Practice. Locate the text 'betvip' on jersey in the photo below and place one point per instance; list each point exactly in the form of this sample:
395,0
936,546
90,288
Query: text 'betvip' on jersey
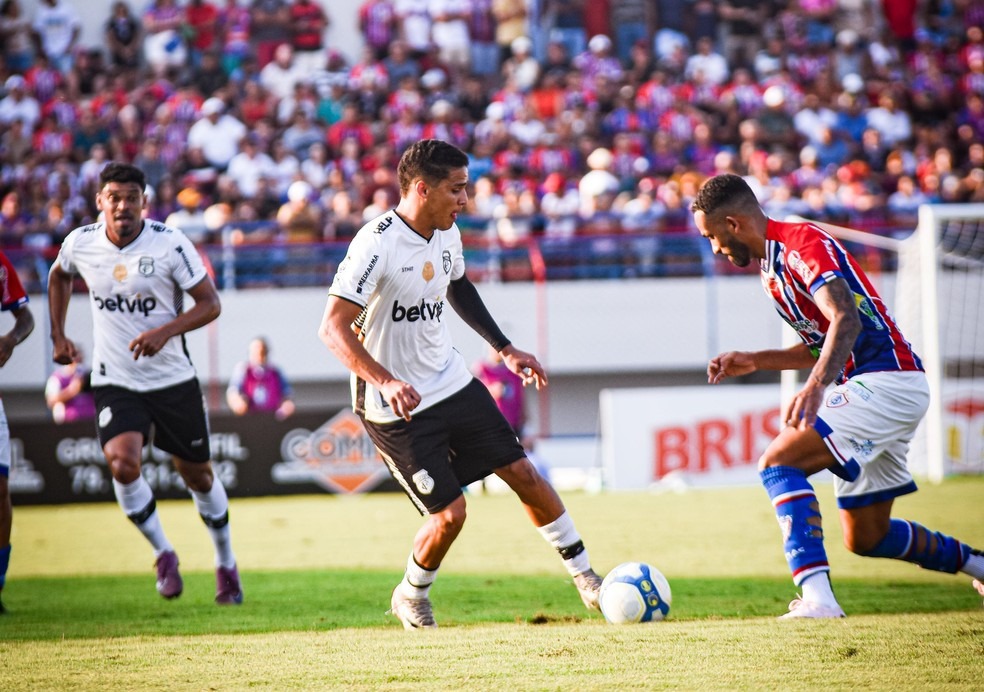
424,311
121,304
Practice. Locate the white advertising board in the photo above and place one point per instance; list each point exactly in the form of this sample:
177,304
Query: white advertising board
686,436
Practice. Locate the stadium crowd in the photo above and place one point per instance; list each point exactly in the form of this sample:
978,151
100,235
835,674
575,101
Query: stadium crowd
580,118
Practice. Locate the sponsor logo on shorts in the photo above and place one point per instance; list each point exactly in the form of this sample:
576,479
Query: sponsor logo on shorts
105,416
862,448
423,481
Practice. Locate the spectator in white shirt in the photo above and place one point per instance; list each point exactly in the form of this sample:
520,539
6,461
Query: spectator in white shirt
217,135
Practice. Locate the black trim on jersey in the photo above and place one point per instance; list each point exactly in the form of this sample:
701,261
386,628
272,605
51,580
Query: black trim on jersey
407,224
360,396
465,300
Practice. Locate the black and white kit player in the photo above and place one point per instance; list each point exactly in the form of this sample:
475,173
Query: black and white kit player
145,386
435,425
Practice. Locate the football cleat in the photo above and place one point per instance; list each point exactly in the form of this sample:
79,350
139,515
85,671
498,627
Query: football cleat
799,608
414,613
588,585
227,588
169,583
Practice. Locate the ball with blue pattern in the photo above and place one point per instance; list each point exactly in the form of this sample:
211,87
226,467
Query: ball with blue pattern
634,592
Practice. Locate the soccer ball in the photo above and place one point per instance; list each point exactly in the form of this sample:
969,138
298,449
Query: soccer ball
634,592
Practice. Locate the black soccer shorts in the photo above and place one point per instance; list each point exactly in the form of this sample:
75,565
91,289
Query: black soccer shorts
175,414
445,447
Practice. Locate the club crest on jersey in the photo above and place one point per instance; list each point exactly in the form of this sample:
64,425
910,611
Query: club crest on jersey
145,266
446,260
797,264
119,272
837,399
424,482
428,271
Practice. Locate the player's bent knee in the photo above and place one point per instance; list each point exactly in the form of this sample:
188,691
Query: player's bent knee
519,473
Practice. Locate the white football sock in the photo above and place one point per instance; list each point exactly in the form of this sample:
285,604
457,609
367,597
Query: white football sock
817,589
561,534
136,498
213,507
416,580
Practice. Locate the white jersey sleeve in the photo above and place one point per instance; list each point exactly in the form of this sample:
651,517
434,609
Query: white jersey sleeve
132,290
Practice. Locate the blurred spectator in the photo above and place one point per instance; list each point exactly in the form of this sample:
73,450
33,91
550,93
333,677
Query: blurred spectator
414,22
308,23
708,63
505,387
893,124
377,22
190,216
484,51
201,29
57,26
450,34
68,393
234,37
249,166
123,35
742,22
281,75
15,36
631,22
598,61
269,27
521,68
299,218
216,134
598,181
19,105
567,25
163,45
15,223
510,23
259,386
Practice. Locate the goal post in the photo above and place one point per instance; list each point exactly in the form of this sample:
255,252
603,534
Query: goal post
939,306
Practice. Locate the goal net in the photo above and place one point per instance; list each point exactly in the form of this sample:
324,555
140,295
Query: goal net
939,306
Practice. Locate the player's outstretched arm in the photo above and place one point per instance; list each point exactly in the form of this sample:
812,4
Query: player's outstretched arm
206,308
337,334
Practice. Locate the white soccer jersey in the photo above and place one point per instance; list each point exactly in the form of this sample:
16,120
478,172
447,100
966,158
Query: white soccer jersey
133,289
401,279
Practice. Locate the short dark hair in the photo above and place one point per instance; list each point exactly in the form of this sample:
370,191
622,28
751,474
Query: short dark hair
430,159
122,173
724,193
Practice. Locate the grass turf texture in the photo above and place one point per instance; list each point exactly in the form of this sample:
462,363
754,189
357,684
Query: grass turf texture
317,572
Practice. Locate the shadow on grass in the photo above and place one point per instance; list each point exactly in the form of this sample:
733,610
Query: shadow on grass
120,606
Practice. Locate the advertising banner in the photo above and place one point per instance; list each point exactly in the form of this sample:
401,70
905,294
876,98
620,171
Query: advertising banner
686,436
253,455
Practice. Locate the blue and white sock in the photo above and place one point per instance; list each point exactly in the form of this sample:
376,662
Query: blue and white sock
137,501
912,542
213,507
798,513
